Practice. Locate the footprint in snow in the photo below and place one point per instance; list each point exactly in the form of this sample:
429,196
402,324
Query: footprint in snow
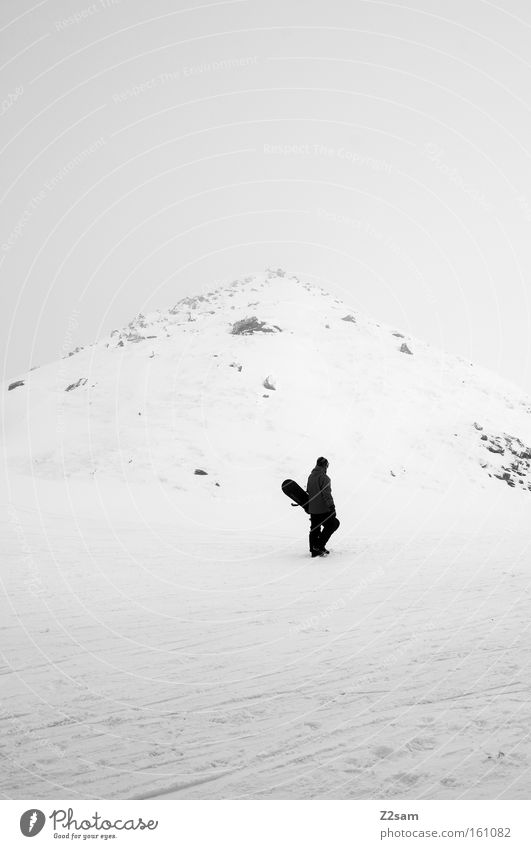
420,744
407,778
449,782
383,751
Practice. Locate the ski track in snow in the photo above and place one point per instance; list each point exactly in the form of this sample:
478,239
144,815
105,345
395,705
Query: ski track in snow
137,664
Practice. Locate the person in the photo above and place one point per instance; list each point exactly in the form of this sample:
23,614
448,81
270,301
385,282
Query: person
323,519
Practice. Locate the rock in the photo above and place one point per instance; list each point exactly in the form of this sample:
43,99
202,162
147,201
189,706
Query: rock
251,324
15,385
349,318
404,349
80,382
200,472
478,427
400,335
269,383
75,351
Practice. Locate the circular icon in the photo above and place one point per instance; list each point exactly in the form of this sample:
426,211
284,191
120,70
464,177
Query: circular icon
31,822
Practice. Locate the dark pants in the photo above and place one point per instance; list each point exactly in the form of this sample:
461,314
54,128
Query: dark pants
322,526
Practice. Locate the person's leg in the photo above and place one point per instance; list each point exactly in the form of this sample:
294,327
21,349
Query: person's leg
330,525
315,531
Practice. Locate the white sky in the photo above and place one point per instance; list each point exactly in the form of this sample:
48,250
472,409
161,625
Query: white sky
400,180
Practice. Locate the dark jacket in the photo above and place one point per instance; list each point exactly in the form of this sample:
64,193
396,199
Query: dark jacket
318,488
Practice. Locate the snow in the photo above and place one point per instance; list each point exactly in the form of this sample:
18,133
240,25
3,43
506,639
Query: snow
165,637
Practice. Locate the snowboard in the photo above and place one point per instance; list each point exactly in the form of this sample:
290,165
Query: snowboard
296,493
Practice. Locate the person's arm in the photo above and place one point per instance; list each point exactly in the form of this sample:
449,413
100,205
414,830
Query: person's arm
326,492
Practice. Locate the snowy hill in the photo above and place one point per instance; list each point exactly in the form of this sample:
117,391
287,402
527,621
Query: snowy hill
228,392
165,632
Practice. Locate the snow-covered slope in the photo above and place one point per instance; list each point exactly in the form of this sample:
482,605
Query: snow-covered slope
166,634
249,383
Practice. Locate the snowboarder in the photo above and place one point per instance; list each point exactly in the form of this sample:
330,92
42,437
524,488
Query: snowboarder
323,520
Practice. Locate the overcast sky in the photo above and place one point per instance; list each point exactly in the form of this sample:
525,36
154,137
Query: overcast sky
381,149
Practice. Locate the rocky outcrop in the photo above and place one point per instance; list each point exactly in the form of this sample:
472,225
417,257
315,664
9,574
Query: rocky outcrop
80,382
75,351
252,324
515,469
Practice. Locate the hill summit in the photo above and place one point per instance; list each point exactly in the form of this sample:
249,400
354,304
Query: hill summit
227,392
